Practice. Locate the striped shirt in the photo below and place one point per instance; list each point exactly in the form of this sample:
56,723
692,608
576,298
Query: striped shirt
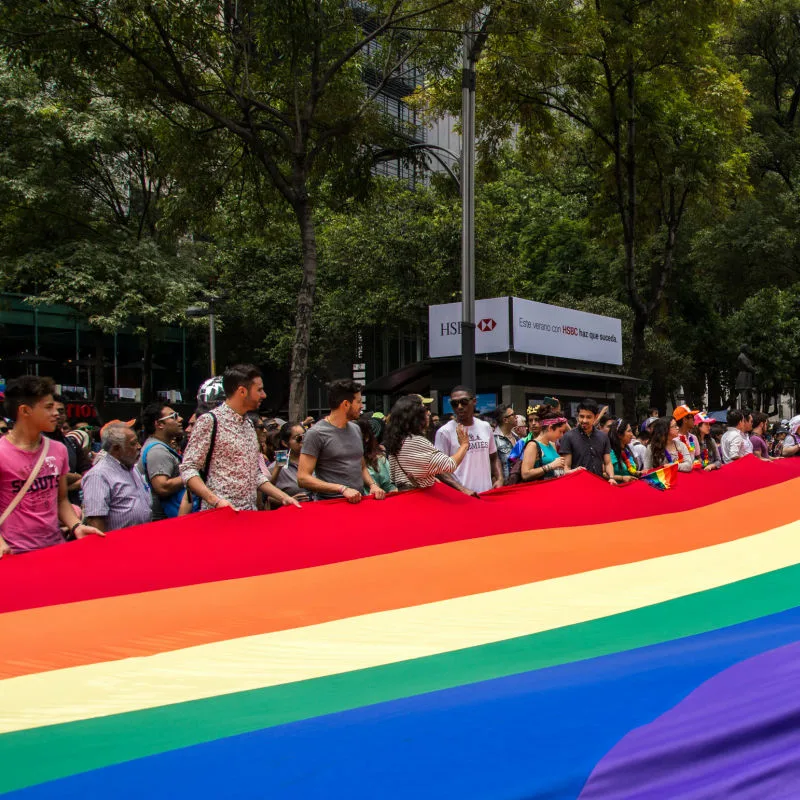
117,494
418,463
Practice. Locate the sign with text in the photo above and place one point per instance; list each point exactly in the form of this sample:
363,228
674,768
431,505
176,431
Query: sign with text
554,331
491,328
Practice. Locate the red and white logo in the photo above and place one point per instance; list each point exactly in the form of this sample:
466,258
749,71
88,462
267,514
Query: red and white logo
487,325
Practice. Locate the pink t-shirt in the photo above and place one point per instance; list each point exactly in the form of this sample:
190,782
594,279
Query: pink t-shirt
34,522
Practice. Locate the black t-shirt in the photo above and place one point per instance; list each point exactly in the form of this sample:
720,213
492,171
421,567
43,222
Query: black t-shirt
586,451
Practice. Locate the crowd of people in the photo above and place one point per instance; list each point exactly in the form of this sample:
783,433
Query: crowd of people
56,485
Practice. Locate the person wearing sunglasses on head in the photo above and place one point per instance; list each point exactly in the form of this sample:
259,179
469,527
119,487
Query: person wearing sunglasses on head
160,461
481,468
283,470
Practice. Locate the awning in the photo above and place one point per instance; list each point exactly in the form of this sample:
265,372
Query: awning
407,378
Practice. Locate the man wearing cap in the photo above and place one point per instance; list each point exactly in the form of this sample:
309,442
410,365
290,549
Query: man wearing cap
684,416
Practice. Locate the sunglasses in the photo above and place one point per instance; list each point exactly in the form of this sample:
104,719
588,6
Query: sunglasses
463,403
173,415
298,438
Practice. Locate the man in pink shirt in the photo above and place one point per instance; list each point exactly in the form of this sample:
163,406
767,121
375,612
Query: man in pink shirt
36,520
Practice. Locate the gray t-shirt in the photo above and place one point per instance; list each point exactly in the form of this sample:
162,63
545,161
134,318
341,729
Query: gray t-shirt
161,460
338,452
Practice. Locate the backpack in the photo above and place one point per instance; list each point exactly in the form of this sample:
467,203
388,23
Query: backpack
170,505
515,473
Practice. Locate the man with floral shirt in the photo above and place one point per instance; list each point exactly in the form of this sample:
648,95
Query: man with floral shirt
236,469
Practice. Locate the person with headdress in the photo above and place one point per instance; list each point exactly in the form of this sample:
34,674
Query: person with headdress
623,459
707,455
541,459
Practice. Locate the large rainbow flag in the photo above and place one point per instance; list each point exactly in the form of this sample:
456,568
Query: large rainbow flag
559,640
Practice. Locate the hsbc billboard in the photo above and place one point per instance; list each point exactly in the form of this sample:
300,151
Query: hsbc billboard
510,323
491,327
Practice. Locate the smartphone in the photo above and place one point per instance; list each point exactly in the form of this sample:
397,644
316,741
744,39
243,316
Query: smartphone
282,457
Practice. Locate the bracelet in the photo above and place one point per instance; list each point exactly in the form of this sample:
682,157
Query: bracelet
75,527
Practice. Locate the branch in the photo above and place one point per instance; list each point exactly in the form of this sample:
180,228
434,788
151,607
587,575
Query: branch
389,22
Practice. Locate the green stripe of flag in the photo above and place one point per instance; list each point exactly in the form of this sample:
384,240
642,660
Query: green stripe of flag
41,754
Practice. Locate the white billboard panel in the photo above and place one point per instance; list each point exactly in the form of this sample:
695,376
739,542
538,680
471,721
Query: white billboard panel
555,331
491,328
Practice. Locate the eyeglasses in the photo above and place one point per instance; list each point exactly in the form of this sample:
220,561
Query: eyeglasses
462,403
173,415
298,438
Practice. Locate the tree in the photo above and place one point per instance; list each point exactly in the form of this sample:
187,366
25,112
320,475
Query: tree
294,82
90,198
640,89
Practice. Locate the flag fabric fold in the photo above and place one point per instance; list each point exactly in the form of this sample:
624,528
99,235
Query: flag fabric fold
540,640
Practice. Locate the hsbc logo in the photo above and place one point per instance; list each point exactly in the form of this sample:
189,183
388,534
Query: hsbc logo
486,325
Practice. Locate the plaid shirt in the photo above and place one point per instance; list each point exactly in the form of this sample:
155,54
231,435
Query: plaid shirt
237,467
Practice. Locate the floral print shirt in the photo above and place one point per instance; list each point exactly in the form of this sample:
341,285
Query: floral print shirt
237,467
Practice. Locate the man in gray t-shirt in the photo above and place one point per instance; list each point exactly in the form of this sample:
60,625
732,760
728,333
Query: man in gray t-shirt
159,463
332,458
339,452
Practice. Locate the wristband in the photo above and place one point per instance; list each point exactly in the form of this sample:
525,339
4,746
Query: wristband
75,527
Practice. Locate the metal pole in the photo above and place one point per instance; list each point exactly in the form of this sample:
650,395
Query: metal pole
77,353
116,362
183,366
468,212
36,334
212,341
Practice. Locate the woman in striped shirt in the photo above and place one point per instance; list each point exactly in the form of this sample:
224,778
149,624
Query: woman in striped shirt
413,461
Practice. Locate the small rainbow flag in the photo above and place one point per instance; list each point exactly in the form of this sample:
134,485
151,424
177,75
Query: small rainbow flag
431,645
661,478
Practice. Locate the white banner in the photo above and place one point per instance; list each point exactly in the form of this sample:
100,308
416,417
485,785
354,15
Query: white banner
555,331
491,328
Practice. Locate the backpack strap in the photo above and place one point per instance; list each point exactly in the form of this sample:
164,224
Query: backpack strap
210,452
147,450
37,468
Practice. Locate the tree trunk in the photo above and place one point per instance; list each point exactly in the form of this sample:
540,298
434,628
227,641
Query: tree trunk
714,390
298,370
638,359
99,373
147,369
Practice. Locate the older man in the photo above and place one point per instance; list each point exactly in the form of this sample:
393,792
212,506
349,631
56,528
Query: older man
114,493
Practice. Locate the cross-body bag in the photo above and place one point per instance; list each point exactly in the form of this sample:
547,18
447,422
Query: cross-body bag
196,502
27,485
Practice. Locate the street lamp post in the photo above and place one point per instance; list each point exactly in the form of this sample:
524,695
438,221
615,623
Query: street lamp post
200,311
468,376
474,40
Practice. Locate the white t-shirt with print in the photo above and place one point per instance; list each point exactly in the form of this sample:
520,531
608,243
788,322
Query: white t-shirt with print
475,471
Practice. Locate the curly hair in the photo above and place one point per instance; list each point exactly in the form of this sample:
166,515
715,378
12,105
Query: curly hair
407,418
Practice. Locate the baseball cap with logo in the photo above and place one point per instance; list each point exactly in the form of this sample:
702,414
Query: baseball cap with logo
684,411
426,401
701,418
